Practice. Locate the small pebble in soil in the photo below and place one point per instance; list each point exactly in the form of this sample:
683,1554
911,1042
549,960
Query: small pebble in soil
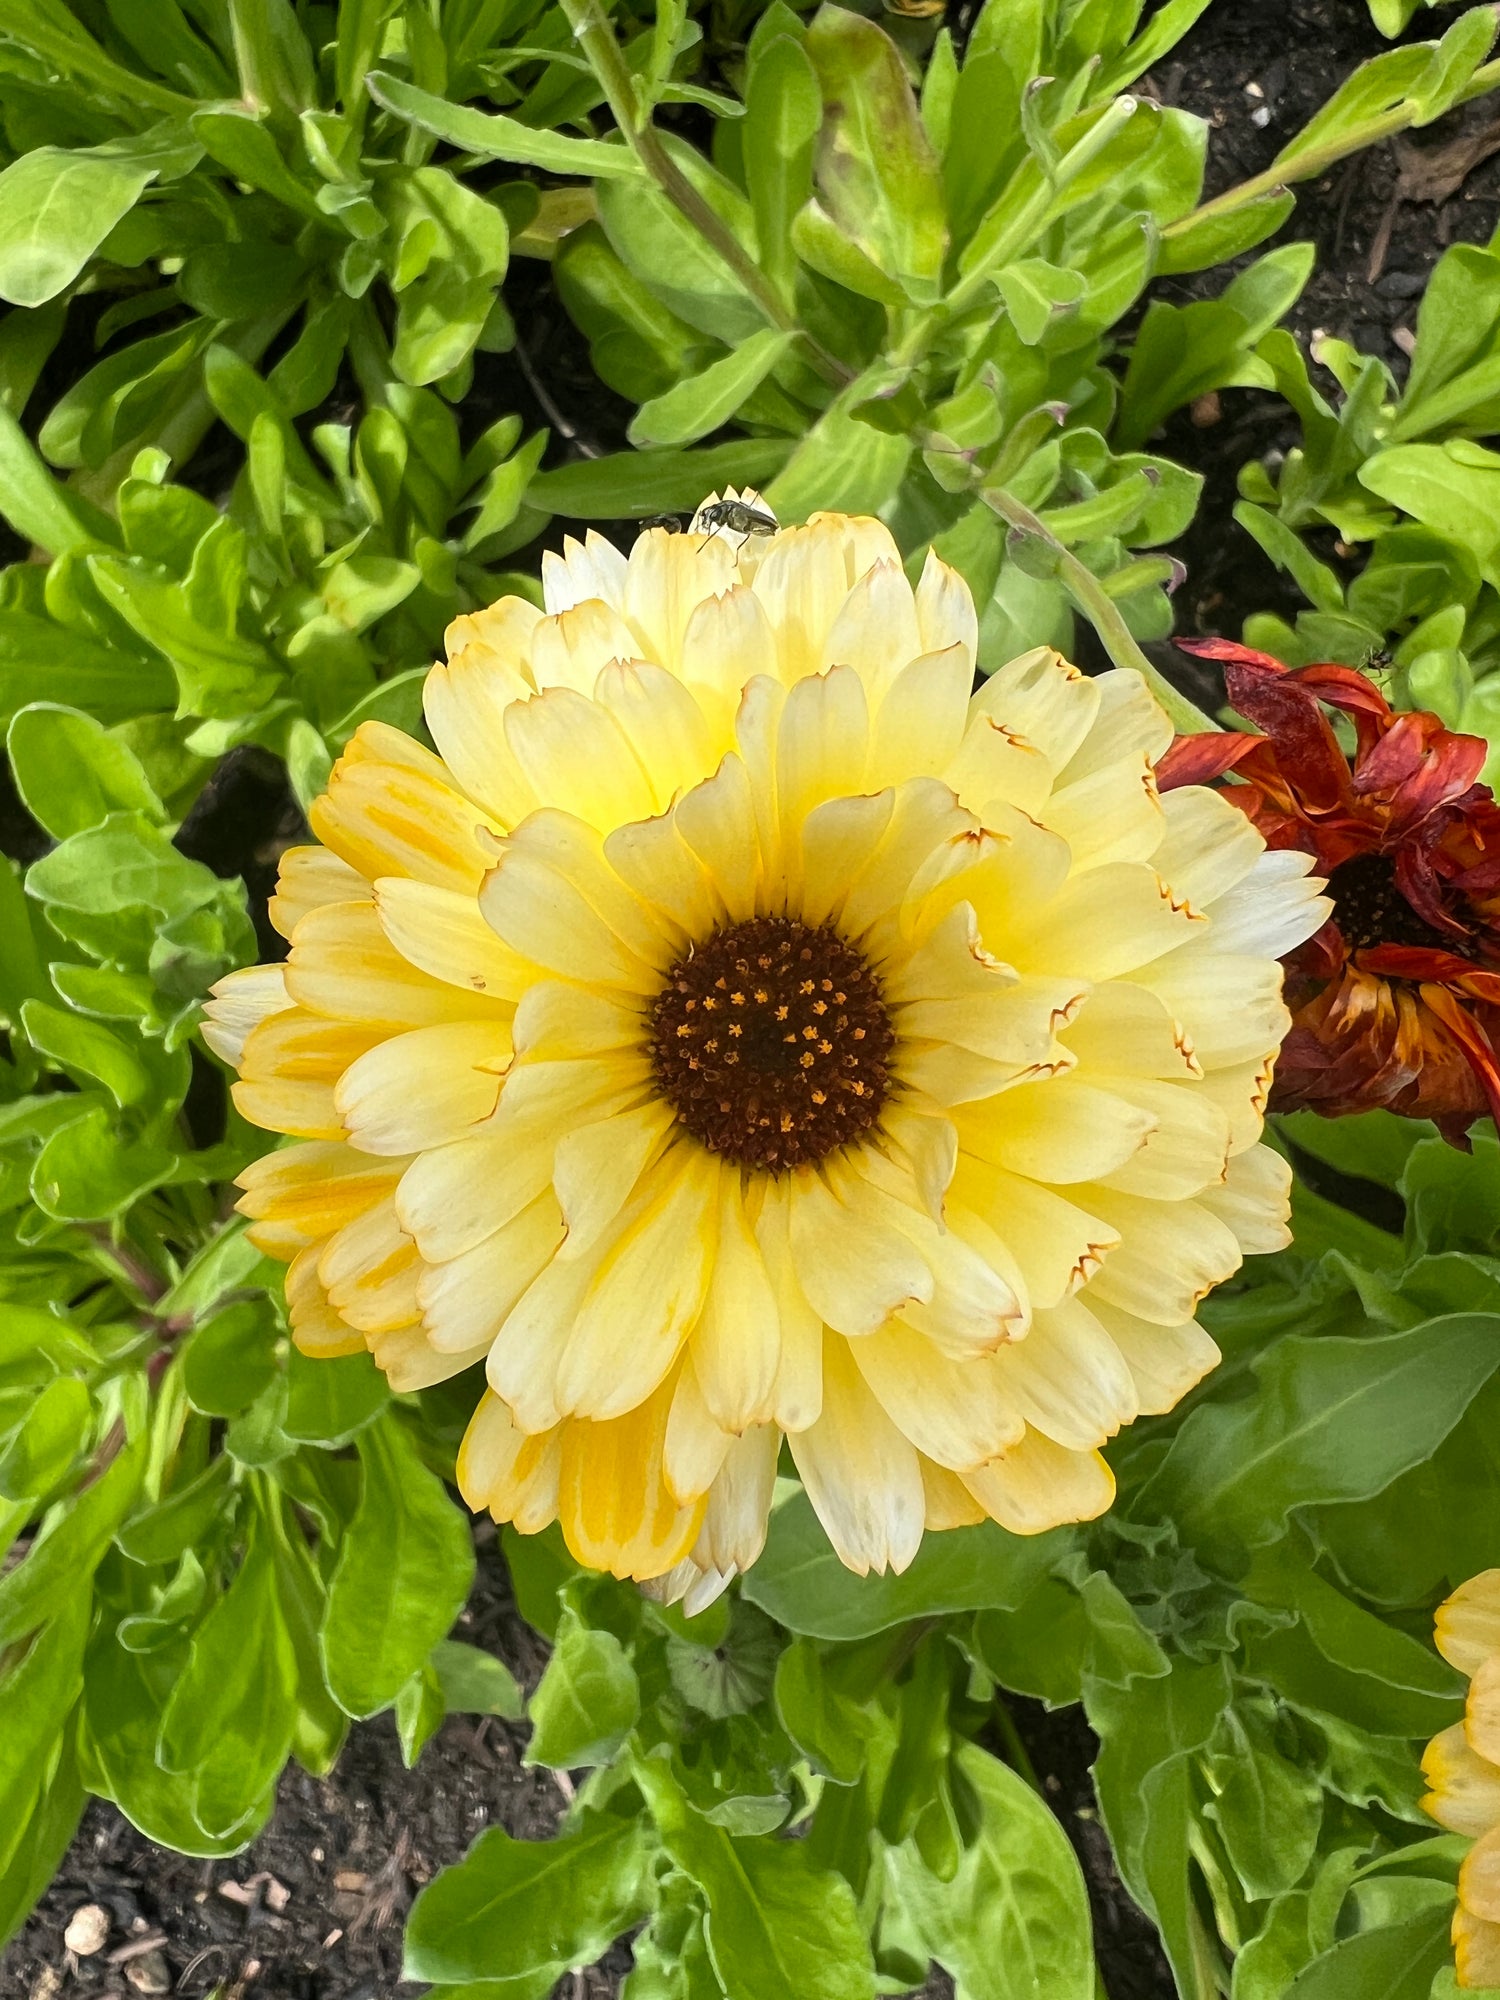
88,1930
149,1974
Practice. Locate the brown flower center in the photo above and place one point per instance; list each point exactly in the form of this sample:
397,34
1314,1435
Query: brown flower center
771,1042
1371,910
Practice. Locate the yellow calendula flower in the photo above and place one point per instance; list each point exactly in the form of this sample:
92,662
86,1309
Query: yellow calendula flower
1462,1769
738,1031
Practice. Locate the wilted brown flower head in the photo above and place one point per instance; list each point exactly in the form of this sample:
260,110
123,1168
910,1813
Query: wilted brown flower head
1396,1000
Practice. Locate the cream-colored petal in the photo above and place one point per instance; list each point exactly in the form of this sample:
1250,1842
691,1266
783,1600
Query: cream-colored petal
838,838
507,1472
527,1352
1130,722
570,649
666,579
797,1394
1482,1715
288,1069
930,840
344,967
1164,1361
672,737
1068,1379
598,1167
654,861
1277,907
1476,1951
972,1306
1114,814
535,902
1468,1623
1038,1485
1242,1092
441,933
1125,1030
822,746
925,1143
995,766
647,1292
958,1413
1060,1131
1057,1243
1044,700
1207,845
734,1526
803,580
239,1003
557,1020
696,1446
1186,1151
949,1502
1229,1003
1479,1878
576,758
425,1088
1255,1200
1170,1256
717,820
465,703
945,611
854,1270
726,643
1103,923
307,878
465,1302
403,1356
875,629
452,1199
862,1476
593,567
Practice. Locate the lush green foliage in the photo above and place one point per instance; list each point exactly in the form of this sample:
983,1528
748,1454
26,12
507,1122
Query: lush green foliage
891,279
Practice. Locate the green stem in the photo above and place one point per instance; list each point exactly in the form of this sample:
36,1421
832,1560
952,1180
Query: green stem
1094,601
1318,159
1016,1753
592,30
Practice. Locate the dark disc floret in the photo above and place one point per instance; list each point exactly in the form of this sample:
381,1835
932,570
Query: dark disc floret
771,1040
1371,910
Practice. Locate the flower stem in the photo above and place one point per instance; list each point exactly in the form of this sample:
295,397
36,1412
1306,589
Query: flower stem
1318,159
592,30
1096,604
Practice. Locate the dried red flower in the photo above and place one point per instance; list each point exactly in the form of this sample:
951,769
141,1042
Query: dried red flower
1396,1000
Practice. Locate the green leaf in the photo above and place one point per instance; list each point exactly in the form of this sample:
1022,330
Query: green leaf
88,1171
829,1727
47,1836
46,1445
1336,1418
876,171
65,1556
37,1694
1035,292
86,1050
640,483
57,520
56,208
776,1924
228,1725
498,138
230,1359
1268,1809
1452,64
1013,1924
705,401
475,1682
331,1401
71,773
1397,1963
803,1585
404,1569
159,1534
1452,487
516,1907
588,1700
783,112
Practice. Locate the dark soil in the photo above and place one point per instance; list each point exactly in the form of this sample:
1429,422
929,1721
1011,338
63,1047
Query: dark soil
316,1905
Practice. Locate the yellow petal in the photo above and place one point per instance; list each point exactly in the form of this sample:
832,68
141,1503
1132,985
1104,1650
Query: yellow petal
1057,1243
556,1021
1059,1131
1130,722
1463,1788
1114,814
1482,1717
575,756
854,1270
309,877
726,643
739,1504
1123,1029
403,1355
613,1502
993,767
667,577
647,1292
1228,1003
945,611
451,1199
920,720
502,1469
668,731
389,812
534,903
344,967
838,838
441,933
696,1446
875,629
570,649
238,1004
370,1269
1476,1950
303,1194
1185,1153
821,746
651,857
949,1502
599,1166
465,1301
593,567
316,1328
1468,1623
425,1088
862,1476
1207,845
736,1346
803,580
465,703
717,820
797,1394
289,1067
1038,1485
1101,924
523,1361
